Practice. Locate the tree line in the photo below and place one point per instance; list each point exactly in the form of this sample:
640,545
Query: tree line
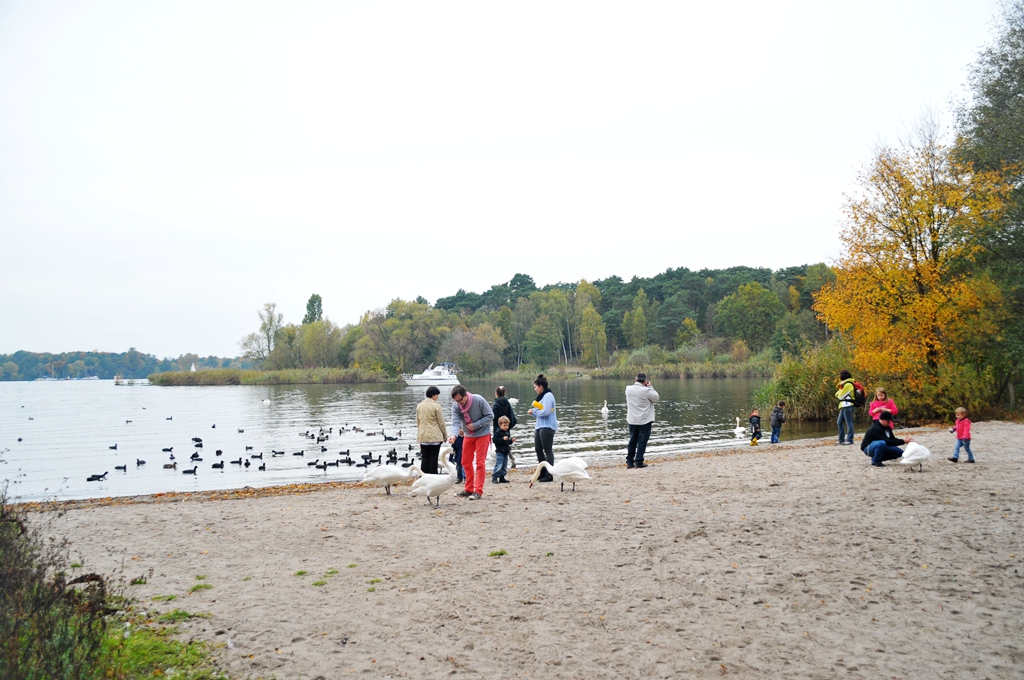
679,315
23,365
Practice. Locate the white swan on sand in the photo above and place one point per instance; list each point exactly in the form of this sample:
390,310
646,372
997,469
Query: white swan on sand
570,470
740,430
389,475
604,409
434,485
915,454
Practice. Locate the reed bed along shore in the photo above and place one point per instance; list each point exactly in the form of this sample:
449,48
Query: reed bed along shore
291,376
349,376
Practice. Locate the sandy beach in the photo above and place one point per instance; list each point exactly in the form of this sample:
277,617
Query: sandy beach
790,561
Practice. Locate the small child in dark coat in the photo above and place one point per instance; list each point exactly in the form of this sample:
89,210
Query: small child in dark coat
755,427
502,448
777,419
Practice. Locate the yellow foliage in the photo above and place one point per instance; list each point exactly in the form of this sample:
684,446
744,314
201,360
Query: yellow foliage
903,296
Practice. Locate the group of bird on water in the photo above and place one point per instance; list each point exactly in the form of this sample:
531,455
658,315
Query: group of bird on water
319,437
391,469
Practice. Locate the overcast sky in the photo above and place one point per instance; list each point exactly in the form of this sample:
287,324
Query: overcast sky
168,167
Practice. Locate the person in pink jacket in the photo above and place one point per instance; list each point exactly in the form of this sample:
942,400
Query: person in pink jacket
963,436
881,404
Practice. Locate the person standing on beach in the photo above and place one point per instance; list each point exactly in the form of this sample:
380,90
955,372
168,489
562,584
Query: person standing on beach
963,436
846,395
778,417
544,429
640,401
503,407
430,430
473,415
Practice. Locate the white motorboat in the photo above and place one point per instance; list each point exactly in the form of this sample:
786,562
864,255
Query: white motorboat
442,374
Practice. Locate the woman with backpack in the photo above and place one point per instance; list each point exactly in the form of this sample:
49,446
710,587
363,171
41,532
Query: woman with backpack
848,395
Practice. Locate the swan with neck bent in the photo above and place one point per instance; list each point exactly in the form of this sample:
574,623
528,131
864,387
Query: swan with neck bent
431,485
388,475
570,470
915,454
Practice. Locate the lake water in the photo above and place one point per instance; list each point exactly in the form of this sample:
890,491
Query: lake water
67,427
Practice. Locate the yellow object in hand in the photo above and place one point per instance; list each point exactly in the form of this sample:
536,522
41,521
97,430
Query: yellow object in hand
538,405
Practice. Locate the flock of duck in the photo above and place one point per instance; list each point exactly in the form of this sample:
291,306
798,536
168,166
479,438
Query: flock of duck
391,469
317,437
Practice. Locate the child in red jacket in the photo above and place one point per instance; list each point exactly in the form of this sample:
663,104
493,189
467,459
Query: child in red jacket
963,435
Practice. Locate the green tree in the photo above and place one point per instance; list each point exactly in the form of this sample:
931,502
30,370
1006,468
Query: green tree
543,342
523,316
670,317
319,343
258,346
749,314
688,333
593,338
477,351
401,336
314,310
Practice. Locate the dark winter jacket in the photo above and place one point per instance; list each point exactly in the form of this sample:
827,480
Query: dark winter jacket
502,440
755,424
778,416
502,407
878,432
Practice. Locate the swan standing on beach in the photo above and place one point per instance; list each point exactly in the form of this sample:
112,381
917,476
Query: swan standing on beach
915,455
434,485
388,475
570,470
604,409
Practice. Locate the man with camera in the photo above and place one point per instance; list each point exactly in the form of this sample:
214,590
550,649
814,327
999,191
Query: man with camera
640,400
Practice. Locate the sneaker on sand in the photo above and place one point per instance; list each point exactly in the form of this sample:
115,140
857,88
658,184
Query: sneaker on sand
475,496
953,460
463,494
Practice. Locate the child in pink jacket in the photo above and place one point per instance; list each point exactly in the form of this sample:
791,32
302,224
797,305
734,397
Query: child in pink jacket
881,404
963,435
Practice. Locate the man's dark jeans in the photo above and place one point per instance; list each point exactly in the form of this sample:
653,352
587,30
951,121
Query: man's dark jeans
880,451
638,436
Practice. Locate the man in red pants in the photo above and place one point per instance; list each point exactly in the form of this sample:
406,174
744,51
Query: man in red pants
472,414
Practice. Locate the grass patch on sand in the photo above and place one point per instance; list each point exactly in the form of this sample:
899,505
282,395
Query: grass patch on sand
179,615
200,586
496,553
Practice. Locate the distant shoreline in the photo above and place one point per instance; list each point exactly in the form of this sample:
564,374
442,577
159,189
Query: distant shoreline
351,376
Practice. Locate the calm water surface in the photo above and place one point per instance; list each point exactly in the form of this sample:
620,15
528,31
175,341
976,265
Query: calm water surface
67,427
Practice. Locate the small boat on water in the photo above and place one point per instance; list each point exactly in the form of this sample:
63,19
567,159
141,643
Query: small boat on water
442,374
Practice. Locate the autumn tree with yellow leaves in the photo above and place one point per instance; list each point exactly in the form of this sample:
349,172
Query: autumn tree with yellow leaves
906,298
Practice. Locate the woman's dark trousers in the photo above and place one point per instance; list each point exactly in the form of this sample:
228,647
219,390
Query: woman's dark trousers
543,441
429,454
